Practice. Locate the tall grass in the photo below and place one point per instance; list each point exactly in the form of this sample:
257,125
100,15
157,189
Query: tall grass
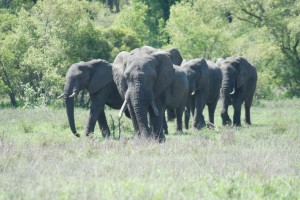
41,159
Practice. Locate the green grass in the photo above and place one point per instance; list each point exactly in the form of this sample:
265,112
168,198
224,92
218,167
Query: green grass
41,159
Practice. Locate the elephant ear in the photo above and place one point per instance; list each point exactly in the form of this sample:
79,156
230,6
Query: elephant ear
200,68
175,56
118,72
165,72
243,68
101,75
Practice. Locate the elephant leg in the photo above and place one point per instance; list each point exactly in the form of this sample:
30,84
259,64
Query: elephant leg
237,114
179,113
211,112
224,115
165,125
187,113
199,122
103,124
157,123
248,104
171,114
93,116
187,117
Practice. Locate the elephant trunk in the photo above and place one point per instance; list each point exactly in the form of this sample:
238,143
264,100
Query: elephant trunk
140,105
228,88
70,91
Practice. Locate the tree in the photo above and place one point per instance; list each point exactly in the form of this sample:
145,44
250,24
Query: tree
46,41
197,30
281,21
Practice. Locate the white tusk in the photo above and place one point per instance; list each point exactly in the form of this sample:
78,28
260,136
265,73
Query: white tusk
233,91
73,95
154,108
123,108
60,96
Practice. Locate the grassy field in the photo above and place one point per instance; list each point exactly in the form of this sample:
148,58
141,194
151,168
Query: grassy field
41,159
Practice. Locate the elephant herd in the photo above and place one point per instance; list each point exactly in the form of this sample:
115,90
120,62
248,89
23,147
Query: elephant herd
146,82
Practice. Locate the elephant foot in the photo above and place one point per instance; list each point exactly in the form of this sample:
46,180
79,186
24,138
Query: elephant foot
211,126
237,124
247,122
89,134
76,134
162,139
200,126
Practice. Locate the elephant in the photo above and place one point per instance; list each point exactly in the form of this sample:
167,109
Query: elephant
205,79
142,79
176,97
238,86
175,56
95,76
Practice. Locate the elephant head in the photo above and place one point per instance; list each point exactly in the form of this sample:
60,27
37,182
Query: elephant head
175,56
172,53
141,79
92,75
197,74
236,71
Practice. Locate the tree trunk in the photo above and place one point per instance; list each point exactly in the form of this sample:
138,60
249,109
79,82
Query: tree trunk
6,81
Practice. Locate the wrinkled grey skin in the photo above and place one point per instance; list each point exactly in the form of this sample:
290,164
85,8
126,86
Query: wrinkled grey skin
204,89
238,86
176,58
177,96
96,77
172,53
142,79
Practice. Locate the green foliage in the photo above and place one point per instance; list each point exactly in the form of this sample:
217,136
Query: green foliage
265,32
134,18
39,40
46,41
121,40
197,31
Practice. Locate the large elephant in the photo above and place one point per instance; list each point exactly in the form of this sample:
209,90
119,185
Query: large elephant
205,79
142,80
175,56
95,76
238,86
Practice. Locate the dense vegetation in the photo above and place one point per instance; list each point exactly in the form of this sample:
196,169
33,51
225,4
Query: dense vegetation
39,40
41,158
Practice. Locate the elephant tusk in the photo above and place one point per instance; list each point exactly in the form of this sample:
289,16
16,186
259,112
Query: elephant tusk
73,95
154,108
233,91
123,108
60,96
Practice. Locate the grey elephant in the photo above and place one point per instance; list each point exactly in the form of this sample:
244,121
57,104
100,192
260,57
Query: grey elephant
176,97
95,76
177,92
142,80
238,86
205,79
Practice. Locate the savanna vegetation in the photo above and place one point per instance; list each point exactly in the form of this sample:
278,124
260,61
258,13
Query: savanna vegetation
41,159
